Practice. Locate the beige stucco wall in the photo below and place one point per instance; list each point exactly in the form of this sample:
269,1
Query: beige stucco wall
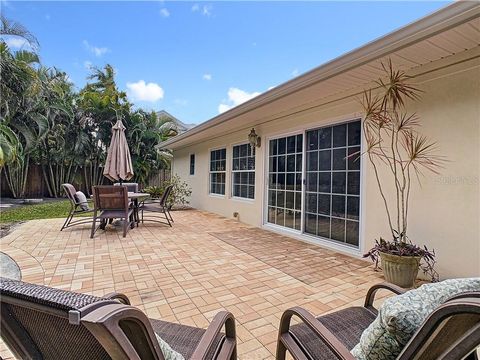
445,212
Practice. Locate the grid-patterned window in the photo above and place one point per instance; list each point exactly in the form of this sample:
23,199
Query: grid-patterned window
243,171
332,193
285,181
192,164
217,171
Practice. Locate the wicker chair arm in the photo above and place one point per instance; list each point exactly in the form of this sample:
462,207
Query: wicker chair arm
228,348
118,296
324,335
370,298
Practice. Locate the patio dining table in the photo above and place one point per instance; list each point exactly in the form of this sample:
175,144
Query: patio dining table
135,197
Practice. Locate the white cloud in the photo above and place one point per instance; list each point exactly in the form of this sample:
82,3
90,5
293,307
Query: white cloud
205,10
207,76
164,12
98,51
142,91
236,97
295,72
17,43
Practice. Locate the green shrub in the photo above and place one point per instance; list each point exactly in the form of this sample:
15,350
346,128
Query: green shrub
181,191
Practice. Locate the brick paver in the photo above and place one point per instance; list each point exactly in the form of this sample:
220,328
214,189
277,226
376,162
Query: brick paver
187,273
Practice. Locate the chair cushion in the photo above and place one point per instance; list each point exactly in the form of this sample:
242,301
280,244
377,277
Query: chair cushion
347,325
182,339
400,317
82,199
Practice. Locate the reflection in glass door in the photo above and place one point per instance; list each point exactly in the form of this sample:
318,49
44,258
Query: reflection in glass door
285,181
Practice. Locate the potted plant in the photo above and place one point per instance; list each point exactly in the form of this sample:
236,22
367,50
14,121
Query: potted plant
398,154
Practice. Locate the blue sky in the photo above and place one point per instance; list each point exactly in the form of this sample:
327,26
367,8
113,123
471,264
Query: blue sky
195,59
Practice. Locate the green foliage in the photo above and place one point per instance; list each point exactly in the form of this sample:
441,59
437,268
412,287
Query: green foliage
48,210
43,120
181,191
179,195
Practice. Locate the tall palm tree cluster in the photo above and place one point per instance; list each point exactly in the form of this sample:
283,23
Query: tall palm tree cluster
45,121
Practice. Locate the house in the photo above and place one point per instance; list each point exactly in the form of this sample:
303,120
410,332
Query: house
180,126
313,119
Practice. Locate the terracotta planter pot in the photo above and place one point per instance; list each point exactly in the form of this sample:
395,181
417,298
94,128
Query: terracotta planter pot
400,270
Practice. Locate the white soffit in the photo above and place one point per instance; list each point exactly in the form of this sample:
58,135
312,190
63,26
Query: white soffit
447,32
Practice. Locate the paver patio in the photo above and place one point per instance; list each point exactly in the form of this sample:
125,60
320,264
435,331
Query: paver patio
187,273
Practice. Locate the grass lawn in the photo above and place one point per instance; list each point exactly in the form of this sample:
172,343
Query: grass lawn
48,210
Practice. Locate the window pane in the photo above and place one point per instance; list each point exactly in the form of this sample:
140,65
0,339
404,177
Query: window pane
299,143
324,182
281,164
324,204
280,218
324,160
243,150
299,163
281,199
251,163
311,224
354,158
289,218
354,183
236,190
311,202
354,133
353,207
272,197
324,226
340,135
338,229
243,191
352,235
236,164
251,178
290,182
325,138
291,144
273,164
235,151
291,163
272,181
298,220
338,182
339,161
251,192
289,200
281,181
312,138
338,206
282,145
298,200
298,181
312,181
243,163
273,147
312,161
271,215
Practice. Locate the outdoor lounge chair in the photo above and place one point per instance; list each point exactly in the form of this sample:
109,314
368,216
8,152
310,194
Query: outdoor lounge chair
111,202
451,332
39,322
75,208
158,207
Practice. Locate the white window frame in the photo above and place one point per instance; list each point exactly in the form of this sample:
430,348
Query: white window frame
210,172
233,171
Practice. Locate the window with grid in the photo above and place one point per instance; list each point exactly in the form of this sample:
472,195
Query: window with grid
192,164
332,193
243,171
217,171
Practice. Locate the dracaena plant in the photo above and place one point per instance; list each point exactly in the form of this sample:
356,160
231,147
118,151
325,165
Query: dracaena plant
394,142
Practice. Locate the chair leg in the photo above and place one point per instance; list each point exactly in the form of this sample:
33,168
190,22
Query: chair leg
165,210
171,218
67,221
94,222
125,226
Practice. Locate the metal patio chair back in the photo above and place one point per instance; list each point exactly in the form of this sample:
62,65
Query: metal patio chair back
451,332
40,322
75,209
158,207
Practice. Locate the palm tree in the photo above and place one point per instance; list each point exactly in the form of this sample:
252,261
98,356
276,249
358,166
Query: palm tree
12,28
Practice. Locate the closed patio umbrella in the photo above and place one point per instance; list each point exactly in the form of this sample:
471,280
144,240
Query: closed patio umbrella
118,166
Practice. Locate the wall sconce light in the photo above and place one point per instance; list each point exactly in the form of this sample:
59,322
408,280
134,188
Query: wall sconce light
254,139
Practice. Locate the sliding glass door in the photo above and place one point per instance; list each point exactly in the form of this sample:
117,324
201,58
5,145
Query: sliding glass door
331,188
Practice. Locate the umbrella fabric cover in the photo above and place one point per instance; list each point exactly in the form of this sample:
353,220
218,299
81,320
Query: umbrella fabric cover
119,163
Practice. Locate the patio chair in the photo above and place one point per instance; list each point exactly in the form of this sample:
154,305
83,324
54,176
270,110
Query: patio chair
451,332
132,187
75,208
158,207
39,322
111,202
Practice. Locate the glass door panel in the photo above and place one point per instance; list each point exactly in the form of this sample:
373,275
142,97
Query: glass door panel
332,191
285,181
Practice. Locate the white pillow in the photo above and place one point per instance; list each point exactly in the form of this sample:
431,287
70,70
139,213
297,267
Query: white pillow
167,351
82,199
